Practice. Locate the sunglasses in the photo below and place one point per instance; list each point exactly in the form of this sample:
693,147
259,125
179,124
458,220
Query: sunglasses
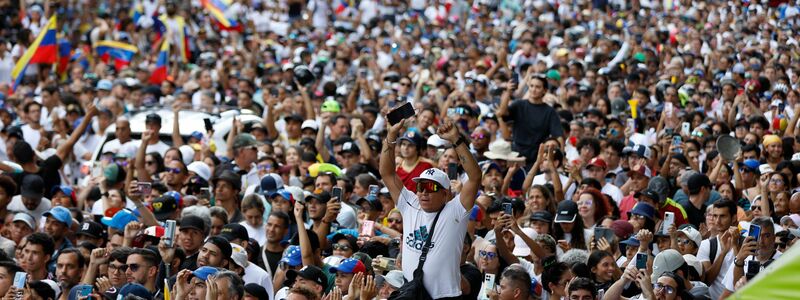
667,289
173,170
264,167
121,268
478,136
341,247
683,241
394,221
487,254
427,186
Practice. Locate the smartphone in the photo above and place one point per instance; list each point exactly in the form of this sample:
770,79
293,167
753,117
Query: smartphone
632,124
452,171
641,261
676,141
373,192
367,228
752,269
686,128
754,231
669,131
169,232
508,209
669,219
668,108
19,280
336,192
207,122
488,286
602,232
144,188
405,111
85,291
385,262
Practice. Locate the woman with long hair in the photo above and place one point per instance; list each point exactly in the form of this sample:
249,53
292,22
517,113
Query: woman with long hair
539,198
592,207
604,269
568,230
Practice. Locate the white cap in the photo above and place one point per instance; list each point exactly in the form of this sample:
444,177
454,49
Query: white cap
520,247
25,217
297,193
436,141
693,262
765,169
796,157
239,255
435,175
309,124
201,169
395,278
187,153
692,234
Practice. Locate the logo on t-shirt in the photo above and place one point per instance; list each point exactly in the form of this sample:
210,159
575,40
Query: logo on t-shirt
417,238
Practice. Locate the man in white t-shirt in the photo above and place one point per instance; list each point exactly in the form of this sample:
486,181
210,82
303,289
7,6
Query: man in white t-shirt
598,169
442,277
762,251
716,253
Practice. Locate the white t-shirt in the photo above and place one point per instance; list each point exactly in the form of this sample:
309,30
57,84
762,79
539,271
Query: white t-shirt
613,191
257,275
716,288
17,206
347,217
258,234
133,146
728,279
442,268
30,135
541,180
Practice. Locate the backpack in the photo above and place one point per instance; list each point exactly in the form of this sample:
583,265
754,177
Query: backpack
713,244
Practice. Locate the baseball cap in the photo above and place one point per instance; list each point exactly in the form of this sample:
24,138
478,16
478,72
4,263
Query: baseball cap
435,175
349,266
104,85
245,140
196,135
395,278
566,211
413,137
230,177
111,173
239,255
641,170
696,182
323,197
153,118
193,222
631,241
66,190
61,214
692,234
643,209
120,219
26,218
136,290
666,261
542,215
293,257
520,247
693,262
203,272
293,117
765,169
32,186
271,183
622,229
641,151
597,162
91,229
650,194
310,124
374,204
350,147
201,169
256,291
312,273
233,231
164,206
285,194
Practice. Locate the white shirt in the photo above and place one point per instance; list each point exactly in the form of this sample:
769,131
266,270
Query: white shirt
30,135
6,66
613,191
541,179
160,147
17,205
716,288
442,269
258,234
728,279
257,275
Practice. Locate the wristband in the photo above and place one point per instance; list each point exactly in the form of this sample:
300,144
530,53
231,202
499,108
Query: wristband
736,263
460,141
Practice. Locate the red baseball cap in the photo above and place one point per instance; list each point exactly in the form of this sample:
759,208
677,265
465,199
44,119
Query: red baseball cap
597,162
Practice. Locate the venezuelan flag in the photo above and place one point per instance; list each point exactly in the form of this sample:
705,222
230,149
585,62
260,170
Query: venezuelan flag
122,53
43,50
181,35
64,55
217,8
343,4
160,73
136,13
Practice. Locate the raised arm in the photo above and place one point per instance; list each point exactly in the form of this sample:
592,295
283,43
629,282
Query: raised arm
141,171
505,99
387,166
322,149
269,119
309,108
469,190
302,233
177,140
65,149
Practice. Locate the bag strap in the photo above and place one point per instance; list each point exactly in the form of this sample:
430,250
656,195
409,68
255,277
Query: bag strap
712,244
427,246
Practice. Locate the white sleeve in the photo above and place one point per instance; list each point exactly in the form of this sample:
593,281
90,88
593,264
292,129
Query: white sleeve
727,281
407,200
703,251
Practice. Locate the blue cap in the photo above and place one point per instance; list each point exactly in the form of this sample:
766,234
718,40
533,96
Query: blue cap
644,209
751,165
203,272
177,196
283,193
197,135
73,293
293,256
136,290
61,214
631,241
270,184
104,84
120,219
350,266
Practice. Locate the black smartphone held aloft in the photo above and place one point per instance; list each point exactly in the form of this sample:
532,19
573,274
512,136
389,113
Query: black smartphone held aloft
508,209
405,111
209,127
452,171
336,192
641,261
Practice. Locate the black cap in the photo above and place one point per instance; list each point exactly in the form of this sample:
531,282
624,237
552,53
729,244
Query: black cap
32,186
14,131
313,240
375,204
234,231
294,117
193,222
312,273
153,118
696,182
542,215
256,291
232,178
651,194
350,240
566,212
164,206
222,244
91,229
323,197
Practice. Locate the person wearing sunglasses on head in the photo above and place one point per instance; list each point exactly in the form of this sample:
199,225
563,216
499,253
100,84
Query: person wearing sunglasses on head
421,211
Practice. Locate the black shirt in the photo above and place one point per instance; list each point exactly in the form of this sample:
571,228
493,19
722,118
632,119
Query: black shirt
48,170
533,124
694,215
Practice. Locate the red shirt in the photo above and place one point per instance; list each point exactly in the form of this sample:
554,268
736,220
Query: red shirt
407,177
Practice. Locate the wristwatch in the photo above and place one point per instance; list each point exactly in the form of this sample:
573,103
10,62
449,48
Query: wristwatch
736,263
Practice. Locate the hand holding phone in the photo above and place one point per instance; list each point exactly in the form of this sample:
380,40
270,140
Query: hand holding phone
169,232
508,209
405,111
641,261
336,192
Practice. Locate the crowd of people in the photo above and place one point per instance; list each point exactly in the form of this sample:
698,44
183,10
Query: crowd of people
556,150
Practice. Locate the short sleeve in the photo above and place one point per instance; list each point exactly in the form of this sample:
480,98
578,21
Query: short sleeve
703,251
513,107
407,201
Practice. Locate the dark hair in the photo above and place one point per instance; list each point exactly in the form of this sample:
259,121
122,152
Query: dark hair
120,254
519,278
281,215
591,142
329,175
148,255
11,267
158,160
729,204
81,258
578,240
44,240
235,283
748,148
8,184
582,283
42,289
552,274
595,258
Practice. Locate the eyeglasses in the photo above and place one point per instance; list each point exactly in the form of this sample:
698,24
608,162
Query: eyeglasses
683,241
394,221
264,167
585,203
341,247
487,255
477,136
134,267
120,268
667,289
756,207
427,186
776,181
173,170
